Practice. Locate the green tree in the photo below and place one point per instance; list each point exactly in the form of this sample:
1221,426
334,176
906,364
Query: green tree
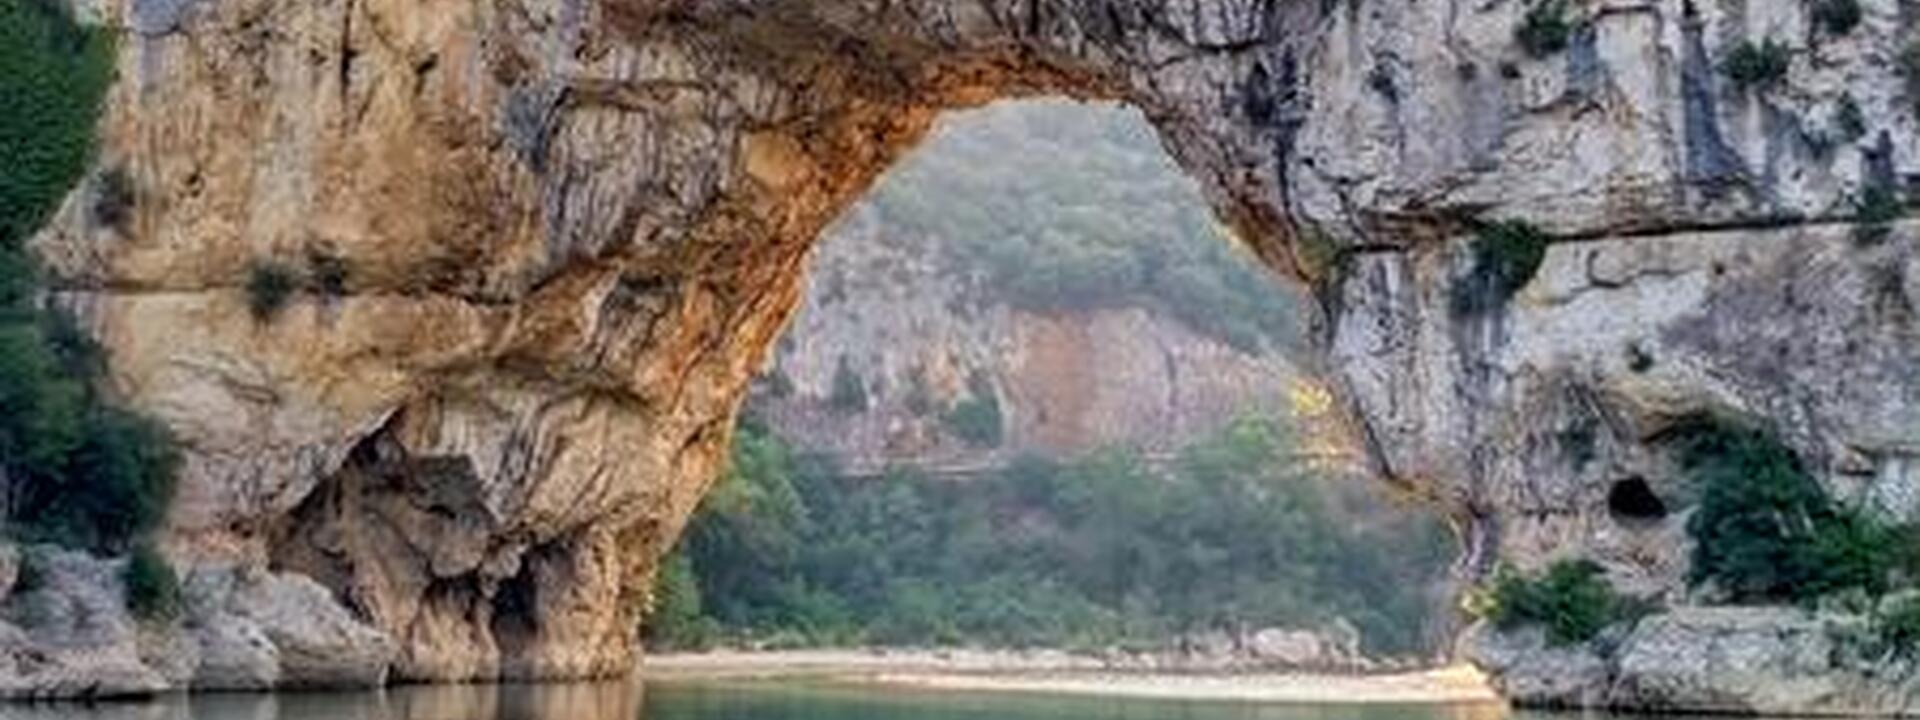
1765,530
53,74
1572,599
79,471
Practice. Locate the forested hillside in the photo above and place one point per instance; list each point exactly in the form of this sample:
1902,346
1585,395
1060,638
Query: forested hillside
1038,296
1094,552
1059,205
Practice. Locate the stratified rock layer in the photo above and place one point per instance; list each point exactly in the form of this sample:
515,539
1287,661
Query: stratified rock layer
572,230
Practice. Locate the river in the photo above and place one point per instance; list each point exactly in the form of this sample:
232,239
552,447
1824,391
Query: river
720,700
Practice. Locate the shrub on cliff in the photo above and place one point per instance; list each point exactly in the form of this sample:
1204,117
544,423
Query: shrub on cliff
1878,207
1505,256
1758,65
153,591
270,285
1898,626
1545,29
1572,600
977,420
1766,531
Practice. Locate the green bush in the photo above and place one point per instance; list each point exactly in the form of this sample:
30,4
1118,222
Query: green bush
1765,531
115,486
1545,29
977,419
1898,626
153,591
1758,66
270,285
1875,212
1837,17
1505,257
1572,600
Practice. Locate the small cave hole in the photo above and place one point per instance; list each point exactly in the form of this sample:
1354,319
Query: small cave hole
1632,501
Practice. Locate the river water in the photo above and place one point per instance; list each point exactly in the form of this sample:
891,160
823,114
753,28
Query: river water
738,700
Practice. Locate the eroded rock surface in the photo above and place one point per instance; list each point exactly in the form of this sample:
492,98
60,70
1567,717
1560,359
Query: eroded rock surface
1741,660
572,230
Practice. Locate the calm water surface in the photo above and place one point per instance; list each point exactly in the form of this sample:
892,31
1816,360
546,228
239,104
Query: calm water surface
764,700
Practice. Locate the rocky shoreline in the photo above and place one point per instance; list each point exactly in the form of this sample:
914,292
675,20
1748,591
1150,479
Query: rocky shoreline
1775,661
66,632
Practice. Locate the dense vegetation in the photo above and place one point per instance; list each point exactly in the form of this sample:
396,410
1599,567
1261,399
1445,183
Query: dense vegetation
1092,553
1572,600
76,470
1120,224
1766,531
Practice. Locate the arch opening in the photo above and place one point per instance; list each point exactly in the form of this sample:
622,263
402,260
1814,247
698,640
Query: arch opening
1036,396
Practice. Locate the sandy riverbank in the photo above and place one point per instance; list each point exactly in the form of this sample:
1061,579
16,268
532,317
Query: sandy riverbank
1064,674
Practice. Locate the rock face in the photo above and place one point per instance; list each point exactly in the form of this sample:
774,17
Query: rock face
921,337
1748,661
572,230
68,633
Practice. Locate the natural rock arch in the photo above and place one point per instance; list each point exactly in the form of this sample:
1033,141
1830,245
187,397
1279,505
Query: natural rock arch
572,229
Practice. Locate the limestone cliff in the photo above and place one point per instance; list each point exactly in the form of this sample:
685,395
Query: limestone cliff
573,229
914,327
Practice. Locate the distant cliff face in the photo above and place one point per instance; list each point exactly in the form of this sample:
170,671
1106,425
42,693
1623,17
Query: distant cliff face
1063,383
574,229
911,349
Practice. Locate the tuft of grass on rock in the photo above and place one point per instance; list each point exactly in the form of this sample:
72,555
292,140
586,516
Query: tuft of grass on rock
152,588
1506,255
270,286
1546,29
1758,66
1875,211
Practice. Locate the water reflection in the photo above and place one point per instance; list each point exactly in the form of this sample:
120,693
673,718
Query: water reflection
572,701
712,701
